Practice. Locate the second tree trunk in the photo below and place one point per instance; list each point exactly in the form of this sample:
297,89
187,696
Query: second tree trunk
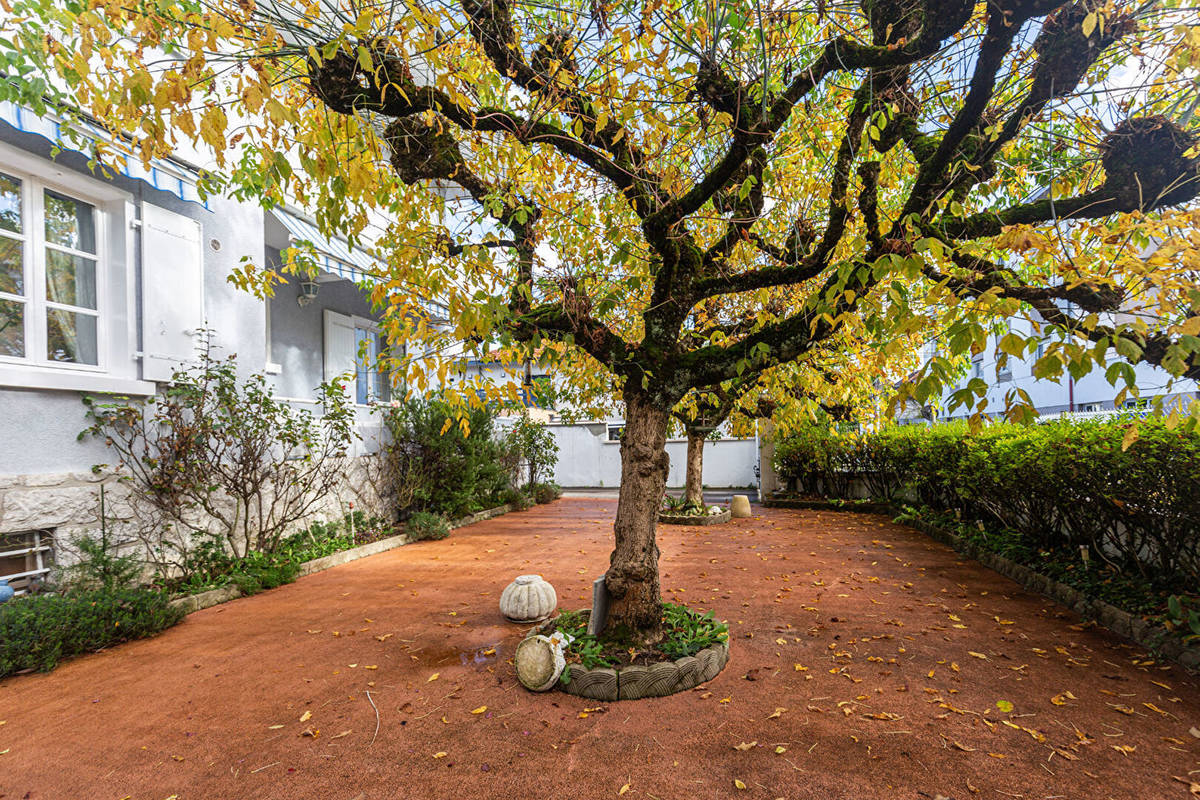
694,493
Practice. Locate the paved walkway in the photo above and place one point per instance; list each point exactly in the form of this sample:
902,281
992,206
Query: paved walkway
868,662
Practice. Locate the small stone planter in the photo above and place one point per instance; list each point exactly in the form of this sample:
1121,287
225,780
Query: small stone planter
636,681
695,519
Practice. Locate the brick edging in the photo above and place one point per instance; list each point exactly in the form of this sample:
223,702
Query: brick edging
1124,624
222,594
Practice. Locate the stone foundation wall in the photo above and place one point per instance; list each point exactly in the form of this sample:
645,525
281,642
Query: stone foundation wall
68,504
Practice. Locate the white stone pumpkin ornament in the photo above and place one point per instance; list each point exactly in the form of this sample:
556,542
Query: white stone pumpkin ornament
528,599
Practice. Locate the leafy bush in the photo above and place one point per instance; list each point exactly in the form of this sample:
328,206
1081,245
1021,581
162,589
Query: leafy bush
546,492
448,469
36,632
218,449
261,571
521,502
814,457
534,447
422,525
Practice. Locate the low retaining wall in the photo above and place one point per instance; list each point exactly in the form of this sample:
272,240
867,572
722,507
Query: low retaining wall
1126,625
223,594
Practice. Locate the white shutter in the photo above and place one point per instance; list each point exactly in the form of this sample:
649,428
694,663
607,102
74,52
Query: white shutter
172,291
340,349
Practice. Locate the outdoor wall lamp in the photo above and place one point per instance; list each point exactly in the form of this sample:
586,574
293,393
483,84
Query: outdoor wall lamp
308,292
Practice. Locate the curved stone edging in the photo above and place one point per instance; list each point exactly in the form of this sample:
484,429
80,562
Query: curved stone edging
1124,624
695,519
636,681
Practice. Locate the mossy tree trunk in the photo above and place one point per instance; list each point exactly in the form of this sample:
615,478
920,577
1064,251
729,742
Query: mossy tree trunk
635,608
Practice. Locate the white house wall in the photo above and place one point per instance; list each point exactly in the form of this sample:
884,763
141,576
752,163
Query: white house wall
587,459
1056,396
47,481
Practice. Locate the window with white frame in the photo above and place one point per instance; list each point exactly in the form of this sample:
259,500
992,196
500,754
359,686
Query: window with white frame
25,556
356,349
372,380
50,275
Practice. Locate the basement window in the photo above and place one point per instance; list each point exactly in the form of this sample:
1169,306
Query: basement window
24,557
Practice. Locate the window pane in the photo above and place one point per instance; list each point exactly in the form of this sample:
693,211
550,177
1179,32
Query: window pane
70,222
12,328
362,361
381,389
70,280
12,266
10,203
71,337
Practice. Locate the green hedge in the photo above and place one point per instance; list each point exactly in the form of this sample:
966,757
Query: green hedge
38,632
1062,485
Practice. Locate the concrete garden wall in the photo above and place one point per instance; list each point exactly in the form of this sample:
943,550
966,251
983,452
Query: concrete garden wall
587,459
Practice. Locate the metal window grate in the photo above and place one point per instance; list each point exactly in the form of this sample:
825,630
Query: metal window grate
25,556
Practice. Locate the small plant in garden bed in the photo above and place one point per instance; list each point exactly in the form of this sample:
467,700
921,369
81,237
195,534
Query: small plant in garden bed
1184,617
679,507
546,492
686,632
422,525
208,565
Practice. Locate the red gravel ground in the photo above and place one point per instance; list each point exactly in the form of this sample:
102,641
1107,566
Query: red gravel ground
867,662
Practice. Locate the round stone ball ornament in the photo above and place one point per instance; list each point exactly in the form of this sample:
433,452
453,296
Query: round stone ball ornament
528,599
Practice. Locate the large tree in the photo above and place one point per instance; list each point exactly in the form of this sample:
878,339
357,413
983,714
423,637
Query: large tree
592,173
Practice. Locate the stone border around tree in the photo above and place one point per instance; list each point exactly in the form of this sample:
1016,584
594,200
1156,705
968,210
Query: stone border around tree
1129,626
637,682
696,519
195,602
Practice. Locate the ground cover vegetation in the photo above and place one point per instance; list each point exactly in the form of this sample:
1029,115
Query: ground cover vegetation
686,632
